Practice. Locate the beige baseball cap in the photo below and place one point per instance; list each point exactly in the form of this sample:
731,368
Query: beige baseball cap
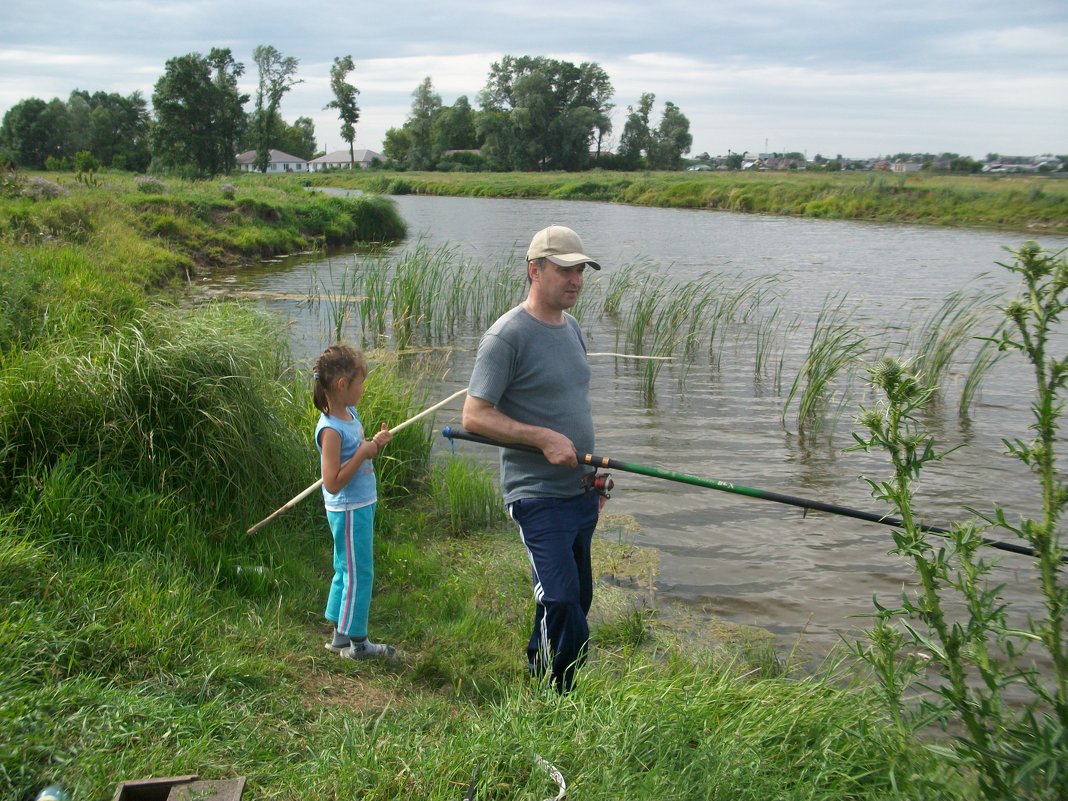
561,246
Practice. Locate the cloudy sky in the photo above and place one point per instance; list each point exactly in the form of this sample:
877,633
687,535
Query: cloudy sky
858,78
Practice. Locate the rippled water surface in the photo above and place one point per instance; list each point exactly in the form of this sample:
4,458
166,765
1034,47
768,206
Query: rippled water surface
747,560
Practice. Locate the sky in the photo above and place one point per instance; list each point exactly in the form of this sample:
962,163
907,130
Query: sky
857,78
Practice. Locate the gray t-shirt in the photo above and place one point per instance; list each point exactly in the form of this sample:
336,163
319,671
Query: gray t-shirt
537,373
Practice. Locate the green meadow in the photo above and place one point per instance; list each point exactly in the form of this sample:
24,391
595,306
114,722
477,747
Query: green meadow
143,633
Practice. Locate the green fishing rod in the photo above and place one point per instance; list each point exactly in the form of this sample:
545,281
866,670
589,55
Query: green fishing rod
603,462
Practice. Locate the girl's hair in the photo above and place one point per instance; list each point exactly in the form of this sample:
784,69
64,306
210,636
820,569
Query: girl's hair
337,361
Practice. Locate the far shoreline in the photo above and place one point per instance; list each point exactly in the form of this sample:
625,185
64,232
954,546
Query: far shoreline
1035,205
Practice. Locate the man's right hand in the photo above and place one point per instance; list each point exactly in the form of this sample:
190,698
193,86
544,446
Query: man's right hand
482,417
558,449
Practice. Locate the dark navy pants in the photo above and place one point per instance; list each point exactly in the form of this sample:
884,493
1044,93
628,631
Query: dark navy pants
557,534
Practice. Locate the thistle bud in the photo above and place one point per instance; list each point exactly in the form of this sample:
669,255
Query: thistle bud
887,373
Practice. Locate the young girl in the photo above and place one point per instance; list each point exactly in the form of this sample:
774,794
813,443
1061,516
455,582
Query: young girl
350,495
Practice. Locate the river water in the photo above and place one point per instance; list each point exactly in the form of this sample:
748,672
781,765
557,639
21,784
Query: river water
748,561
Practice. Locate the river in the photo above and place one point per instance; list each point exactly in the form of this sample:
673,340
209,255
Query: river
806,578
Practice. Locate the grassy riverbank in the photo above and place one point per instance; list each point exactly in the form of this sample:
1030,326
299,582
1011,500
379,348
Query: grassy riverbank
143,633
1035,205
81,241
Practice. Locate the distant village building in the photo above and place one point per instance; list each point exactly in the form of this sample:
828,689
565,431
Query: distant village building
341,160
278,162
906,166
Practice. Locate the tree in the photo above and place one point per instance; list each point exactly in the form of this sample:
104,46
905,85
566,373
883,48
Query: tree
298,139
79,122
345,101
395,146
118,128
33,131
491,127
230,117
426,105
276,77
671,139
540,113
199,114
636,139
596,87
531,118
964,164
454,127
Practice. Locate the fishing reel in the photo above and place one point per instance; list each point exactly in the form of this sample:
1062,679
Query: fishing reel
601,483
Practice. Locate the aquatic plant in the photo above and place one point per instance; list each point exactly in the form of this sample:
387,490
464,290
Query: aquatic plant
986,357
937,343
836,344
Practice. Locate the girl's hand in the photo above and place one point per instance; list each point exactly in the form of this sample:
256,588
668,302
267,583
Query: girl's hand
382,438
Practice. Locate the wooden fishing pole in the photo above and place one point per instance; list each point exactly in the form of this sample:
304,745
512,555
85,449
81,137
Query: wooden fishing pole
304,494
604,462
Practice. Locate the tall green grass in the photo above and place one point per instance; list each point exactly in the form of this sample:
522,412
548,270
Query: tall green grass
177,402
466,496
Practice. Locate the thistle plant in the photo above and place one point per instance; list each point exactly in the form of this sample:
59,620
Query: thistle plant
1032,319
974,657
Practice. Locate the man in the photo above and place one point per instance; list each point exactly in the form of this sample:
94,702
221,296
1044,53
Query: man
530,385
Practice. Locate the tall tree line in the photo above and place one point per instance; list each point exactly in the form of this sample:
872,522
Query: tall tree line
112,128
536,113
198,126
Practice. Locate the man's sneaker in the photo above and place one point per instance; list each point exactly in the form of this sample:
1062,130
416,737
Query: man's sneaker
369,650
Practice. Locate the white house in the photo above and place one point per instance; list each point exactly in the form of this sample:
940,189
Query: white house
279,162
906,166
340,160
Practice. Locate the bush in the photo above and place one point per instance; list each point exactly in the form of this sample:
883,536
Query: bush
53,164
42,189
150,185
84,161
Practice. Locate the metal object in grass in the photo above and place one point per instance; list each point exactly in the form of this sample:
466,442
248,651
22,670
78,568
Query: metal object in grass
556,775
305,493
603,462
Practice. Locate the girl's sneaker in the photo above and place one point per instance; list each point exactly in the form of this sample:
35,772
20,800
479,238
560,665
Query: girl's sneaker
369,650
339,643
